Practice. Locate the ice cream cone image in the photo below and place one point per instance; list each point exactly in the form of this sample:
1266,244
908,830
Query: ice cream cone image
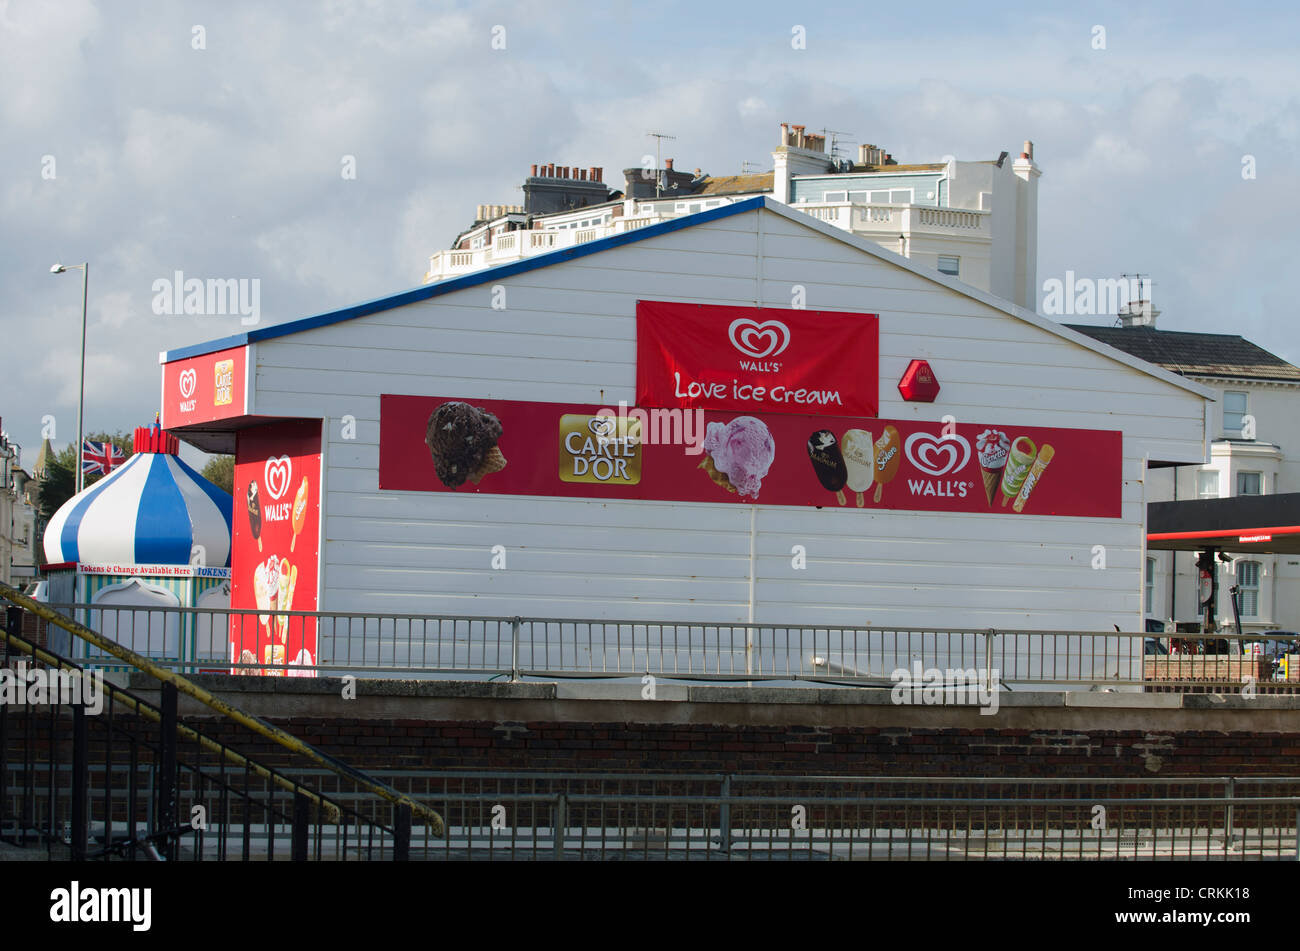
1020,460
1035,476
738,454
494,461
462,441
858,449
993,448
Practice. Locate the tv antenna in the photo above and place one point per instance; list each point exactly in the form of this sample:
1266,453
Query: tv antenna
1136,292
747,166
834,138
659,141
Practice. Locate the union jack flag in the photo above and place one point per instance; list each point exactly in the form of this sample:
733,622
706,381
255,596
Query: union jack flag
101,457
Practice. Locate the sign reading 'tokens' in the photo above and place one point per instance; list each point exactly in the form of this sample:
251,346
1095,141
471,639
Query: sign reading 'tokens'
204,388
506,447
757,359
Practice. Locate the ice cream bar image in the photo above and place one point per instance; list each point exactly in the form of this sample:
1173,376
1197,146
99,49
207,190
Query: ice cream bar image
1035,476
299,511
828,463
255,512
859,451
889,448
1019,461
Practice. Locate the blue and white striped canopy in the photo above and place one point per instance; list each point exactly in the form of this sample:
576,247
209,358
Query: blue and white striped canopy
151,511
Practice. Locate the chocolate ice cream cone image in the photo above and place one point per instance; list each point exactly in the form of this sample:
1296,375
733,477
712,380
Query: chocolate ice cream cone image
462,440
993,447
494,461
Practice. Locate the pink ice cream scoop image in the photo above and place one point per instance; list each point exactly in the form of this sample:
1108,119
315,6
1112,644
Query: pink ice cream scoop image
742,450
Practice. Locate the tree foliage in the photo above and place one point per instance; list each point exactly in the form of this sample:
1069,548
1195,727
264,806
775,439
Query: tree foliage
220,471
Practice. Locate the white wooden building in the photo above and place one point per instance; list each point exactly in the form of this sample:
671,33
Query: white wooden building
566,333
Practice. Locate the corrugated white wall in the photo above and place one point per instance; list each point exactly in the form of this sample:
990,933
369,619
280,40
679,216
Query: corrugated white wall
568,334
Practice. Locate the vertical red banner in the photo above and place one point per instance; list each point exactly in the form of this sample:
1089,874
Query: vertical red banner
274,564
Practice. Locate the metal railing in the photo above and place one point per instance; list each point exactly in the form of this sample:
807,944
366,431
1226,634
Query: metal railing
198,640
666,816
89,770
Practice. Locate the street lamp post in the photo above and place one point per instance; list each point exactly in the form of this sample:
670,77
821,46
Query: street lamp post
81,396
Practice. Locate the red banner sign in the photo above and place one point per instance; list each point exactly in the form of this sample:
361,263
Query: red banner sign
441,444
204,388
756,359
275,544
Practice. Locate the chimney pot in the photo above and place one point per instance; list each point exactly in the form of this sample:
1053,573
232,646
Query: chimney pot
668,164
533,171
1029,150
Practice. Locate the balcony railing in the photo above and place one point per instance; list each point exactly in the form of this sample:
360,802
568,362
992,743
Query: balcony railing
877,222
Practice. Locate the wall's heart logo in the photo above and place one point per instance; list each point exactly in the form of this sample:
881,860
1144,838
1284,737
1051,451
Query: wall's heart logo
189,379
935,455
602,425
753,339
277,474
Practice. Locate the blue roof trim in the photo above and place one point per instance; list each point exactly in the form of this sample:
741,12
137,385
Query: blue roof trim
485,276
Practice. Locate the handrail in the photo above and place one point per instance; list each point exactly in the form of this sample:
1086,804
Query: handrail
154,715
256,724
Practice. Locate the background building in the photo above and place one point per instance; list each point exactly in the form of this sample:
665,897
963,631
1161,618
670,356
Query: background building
17,516
1254,434
976,221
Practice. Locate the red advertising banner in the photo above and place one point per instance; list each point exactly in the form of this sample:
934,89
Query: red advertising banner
757,359
275,545
441,444
204,388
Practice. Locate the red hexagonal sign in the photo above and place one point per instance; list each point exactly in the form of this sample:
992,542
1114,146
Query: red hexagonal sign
918,384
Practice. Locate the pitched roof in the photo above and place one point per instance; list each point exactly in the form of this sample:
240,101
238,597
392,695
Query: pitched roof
756,204
922,167
735,184
1196,354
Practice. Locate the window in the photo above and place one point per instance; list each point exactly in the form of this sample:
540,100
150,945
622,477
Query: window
835,196
894,196
1234,408
1150,584
1248,581
1207,484
1249,483
858,197
949,264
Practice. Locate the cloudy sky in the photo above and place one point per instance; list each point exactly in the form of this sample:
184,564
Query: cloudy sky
209,138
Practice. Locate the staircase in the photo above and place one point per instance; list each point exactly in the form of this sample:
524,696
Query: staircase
90,771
